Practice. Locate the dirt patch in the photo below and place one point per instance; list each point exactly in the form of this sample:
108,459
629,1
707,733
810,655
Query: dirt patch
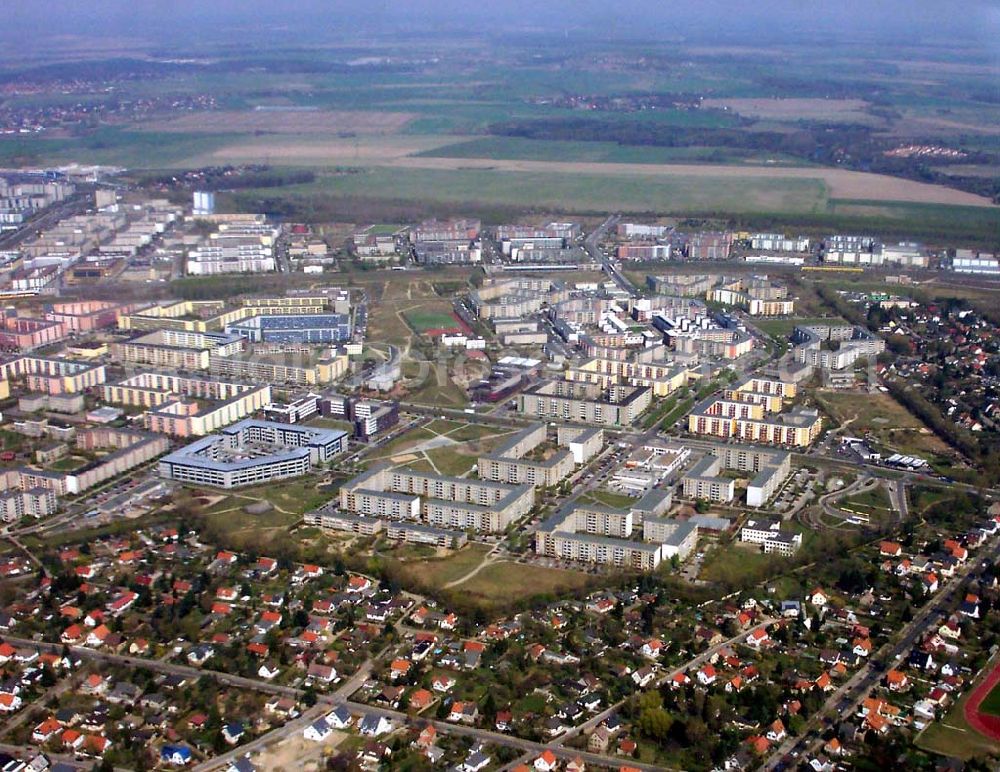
297,753
286,122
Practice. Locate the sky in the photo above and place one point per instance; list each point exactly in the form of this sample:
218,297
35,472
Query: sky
965,22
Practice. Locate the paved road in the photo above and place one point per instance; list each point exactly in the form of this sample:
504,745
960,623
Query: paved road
169,668
845,700
692,664
275,735
496,738
592,245
27,753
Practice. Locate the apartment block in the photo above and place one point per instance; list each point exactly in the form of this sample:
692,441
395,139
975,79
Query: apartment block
128,449
772,538
88,315
617,405
798,427
660,376
52,376
286,368
26,333
34,502
596,534
445,502
584,444
511,462
704,482
176,404
834,347
348,522
177,349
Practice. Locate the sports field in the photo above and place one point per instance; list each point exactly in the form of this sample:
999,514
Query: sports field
432,321
991,703
982,710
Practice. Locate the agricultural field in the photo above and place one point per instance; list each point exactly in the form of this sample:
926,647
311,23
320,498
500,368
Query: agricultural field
852,111
279,121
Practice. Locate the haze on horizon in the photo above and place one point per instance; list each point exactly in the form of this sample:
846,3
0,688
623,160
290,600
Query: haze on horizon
971,25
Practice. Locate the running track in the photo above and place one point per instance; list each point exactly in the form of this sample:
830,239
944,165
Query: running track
981,722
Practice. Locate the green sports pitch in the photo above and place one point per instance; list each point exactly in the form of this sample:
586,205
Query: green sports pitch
422,321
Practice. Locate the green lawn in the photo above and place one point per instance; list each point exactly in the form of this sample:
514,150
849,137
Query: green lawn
612,499
991,705
67,464
451,462
951,735
873,502
296,496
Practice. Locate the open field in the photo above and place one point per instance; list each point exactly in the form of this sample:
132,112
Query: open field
522,148
502,582
279,121
320,151
595,189
707,182
611,499
451,461
737,565
874,503
888,422
438,572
